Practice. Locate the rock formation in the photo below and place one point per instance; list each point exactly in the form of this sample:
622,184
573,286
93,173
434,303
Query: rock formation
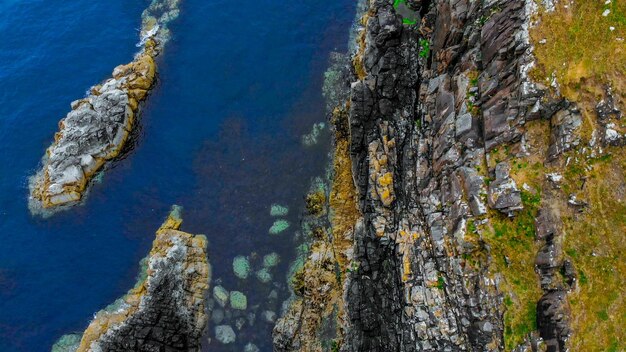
98,127
456,156
165,311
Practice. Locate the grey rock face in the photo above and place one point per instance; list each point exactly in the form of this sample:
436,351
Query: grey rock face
553,320
503,192
565,125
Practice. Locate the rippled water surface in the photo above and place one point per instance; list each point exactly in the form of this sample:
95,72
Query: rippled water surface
240,83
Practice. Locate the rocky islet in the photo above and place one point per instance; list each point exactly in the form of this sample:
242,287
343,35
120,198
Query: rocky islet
99,126
166,310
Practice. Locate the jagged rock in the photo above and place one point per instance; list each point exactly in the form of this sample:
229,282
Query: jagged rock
565,126
503,192
553,320
607,109
548,262
569,272
166,309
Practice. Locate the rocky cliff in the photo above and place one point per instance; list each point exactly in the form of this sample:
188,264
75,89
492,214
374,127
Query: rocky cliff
467,170
98,127
166,310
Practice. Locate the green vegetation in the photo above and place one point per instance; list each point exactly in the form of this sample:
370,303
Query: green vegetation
334,346
513,249
441,283
424,48
405,20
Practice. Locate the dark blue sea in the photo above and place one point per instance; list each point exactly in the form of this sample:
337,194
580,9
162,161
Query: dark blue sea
239,84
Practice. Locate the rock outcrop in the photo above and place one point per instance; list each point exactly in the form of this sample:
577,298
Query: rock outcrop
441,107
99,126
166,310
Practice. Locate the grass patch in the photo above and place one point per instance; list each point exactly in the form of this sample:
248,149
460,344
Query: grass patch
580,47
513,248
595,243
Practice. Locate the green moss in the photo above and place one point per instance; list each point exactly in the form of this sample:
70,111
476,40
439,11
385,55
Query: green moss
441,283
582,278
424,48
603,315
513,248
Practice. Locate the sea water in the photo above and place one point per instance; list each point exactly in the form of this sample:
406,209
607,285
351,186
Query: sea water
221,135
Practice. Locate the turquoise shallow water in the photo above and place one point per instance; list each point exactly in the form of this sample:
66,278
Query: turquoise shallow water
240,82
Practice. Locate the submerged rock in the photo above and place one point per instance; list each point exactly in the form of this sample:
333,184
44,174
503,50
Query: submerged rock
264,275
98,127
225,334
278,227
238,300
278,210
271,260
241,267
67,343
250,347
221,295
312,138
166,309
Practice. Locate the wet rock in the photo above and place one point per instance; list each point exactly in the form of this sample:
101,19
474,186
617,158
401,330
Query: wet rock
67,343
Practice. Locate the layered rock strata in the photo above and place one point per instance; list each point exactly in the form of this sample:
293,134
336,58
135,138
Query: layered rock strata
98,127
166,310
